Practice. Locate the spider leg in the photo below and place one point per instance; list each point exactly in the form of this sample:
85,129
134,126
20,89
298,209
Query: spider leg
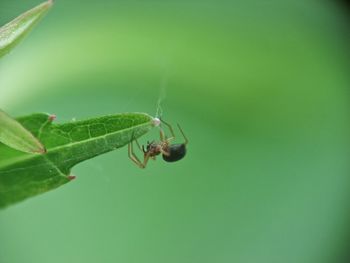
183,134
170,129
162,135
145,159
135,159
138,145
133,156
137,142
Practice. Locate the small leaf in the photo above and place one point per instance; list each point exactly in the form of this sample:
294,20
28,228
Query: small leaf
25,175
12,33
13,134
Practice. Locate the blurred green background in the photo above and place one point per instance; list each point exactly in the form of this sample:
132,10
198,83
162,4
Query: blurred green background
261,88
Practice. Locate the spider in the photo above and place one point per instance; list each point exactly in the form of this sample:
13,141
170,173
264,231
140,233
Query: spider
170,152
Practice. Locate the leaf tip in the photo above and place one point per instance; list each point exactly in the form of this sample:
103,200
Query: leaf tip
49,2
42,150
52,117
71,177
156,122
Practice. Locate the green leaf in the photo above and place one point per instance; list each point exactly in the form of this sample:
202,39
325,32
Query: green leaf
13,134
24,175
13,32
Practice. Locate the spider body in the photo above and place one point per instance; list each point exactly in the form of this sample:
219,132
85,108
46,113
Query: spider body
170,152
153,148
176,152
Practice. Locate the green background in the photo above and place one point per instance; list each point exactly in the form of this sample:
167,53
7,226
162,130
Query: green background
261,89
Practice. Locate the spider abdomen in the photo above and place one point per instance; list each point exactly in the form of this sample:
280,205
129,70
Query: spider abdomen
176,152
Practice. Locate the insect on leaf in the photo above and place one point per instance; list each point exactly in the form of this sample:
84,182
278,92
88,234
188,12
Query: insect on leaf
13,32
13,134
24,175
